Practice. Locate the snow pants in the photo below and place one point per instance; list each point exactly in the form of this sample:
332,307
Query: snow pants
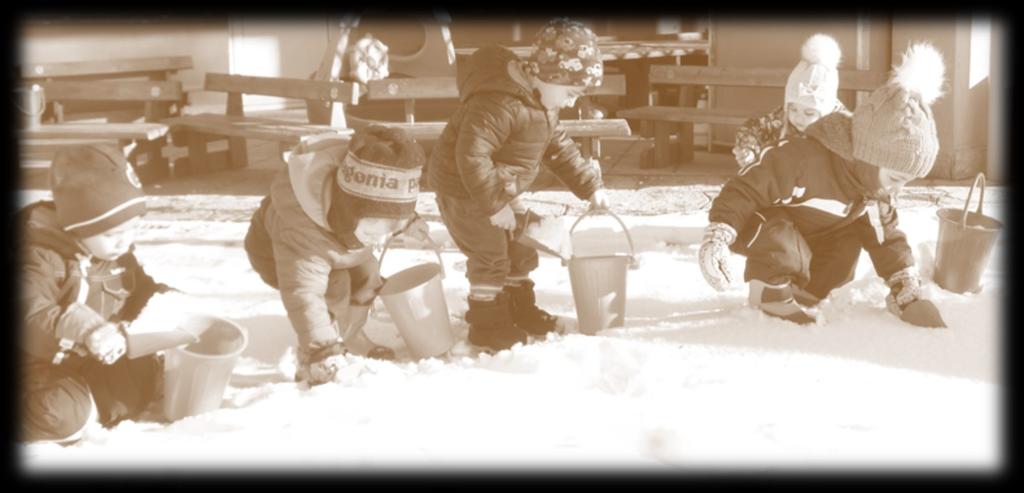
777,252
492,256
56,401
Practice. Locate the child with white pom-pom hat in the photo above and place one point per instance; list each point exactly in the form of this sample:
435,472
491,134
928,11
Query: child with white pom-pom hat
802,216
810,94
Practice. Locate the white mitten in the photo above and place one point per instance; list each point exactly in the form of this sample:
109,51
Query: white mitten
714,255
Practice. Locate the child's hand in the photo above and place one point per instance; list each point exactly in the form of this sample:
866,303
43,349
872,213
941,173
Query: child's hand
599,200
743,156
714,254
368,291
505,218
106,343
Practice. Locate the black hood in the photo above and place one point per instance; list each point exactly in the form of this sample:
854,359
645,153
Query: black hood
38,226
493,68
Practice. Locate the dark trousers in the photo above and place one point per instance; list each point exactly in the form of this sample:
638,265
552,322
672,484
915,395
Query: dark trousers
777,252
492,256
56,400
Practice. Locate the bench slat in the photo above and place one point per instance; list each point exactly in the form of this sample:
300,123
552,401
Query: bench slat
128,90
574,128
857,80
134,131
688,115
413,88
122,67
343,92
253,128
446,88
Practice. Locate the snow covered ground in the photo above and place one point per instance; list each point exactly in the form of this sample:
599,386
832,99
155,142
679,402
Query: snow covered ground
695,380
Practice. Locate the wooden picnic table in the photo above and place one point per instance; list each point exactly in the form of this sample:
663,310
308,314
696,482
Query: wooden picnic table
144,132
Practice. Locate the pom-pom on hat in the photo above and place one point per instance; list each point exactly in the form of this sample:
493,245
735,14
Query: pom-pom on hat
566,53
94,189
380,174
814,82
895,127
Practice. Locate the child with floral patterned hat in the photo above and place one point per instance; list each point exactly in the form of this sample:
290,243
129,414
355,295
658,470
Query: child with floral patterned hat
490,152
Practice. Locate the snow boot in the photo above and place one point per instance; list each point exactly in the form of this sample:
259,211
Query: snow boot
525,312
491,325
777,300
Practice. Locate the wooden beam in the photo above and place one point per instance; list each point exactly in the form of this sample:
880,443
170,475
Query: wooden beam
127,90
133,131
688,115
123,67
856,80
252,128
320,90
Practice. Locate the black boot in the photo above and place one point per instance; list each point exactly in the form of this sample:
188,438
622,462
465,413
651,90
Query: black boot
491,325
778,301
525,312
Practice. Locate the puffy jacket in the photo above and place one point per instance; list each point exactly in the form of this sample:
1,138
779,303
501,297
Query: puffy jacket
303,248
824,189
492,146
64,292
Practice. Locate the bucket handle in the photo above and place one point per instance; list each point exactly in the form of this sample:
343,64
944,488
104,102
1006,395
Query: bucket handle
629,237
387,244
42,100
981,198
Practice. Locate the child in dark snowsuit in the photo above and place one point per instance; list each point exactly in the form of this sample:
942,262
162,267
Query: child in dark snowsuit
490,152
81,285
802,215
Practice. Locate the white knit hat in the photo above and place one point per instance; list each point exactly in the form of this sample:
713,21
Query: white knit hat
815,81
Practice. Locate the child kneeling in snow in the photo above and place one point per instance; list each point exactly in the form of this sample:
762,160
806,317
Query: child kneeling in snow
311,239
810,94
490,152
81,286
803,214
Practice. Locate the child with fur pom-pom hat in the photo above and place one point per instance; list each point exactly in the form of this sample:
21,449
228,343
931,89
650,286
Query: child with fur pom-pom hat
810,94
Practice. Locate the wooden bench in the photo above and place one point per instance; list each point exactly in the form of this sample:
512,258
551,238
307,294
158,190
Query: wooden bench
203,131
668,119
588,131
115,95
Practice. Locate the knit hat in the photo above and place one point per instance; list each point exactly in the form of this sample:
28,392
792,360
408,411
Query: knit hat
566,53
380,175
94,189
895,128
815,80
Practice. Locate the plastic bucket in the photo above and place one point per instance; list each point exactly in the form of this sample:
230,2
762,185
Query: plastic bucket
31,101
196,375
599,285
414,298
965,244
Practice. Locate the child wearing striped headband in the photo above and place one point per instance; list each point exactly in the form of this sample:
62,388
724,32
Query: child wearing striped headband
311,239
81,285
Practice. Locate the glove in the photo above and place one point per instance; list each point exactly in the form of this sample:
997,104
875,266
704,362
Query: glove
107,343
319,362
714,253
504,219
904,300
599,200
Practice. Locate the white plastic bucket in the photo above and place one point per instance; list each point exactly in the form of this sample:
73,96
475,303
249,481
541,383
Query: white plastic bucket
195,376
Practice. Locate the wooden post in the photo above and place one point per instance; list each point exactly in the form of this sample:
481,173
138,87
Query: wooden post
238,154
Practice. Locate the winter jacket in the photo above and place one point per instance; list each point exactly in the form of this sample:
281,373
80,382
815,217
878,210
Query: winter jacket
65,293
824,189
302,245
492,146
759,134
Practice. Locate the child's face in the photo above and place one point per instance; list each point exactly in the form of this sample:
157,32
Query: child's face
554,96
801,116
375,230
112,243
892,181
